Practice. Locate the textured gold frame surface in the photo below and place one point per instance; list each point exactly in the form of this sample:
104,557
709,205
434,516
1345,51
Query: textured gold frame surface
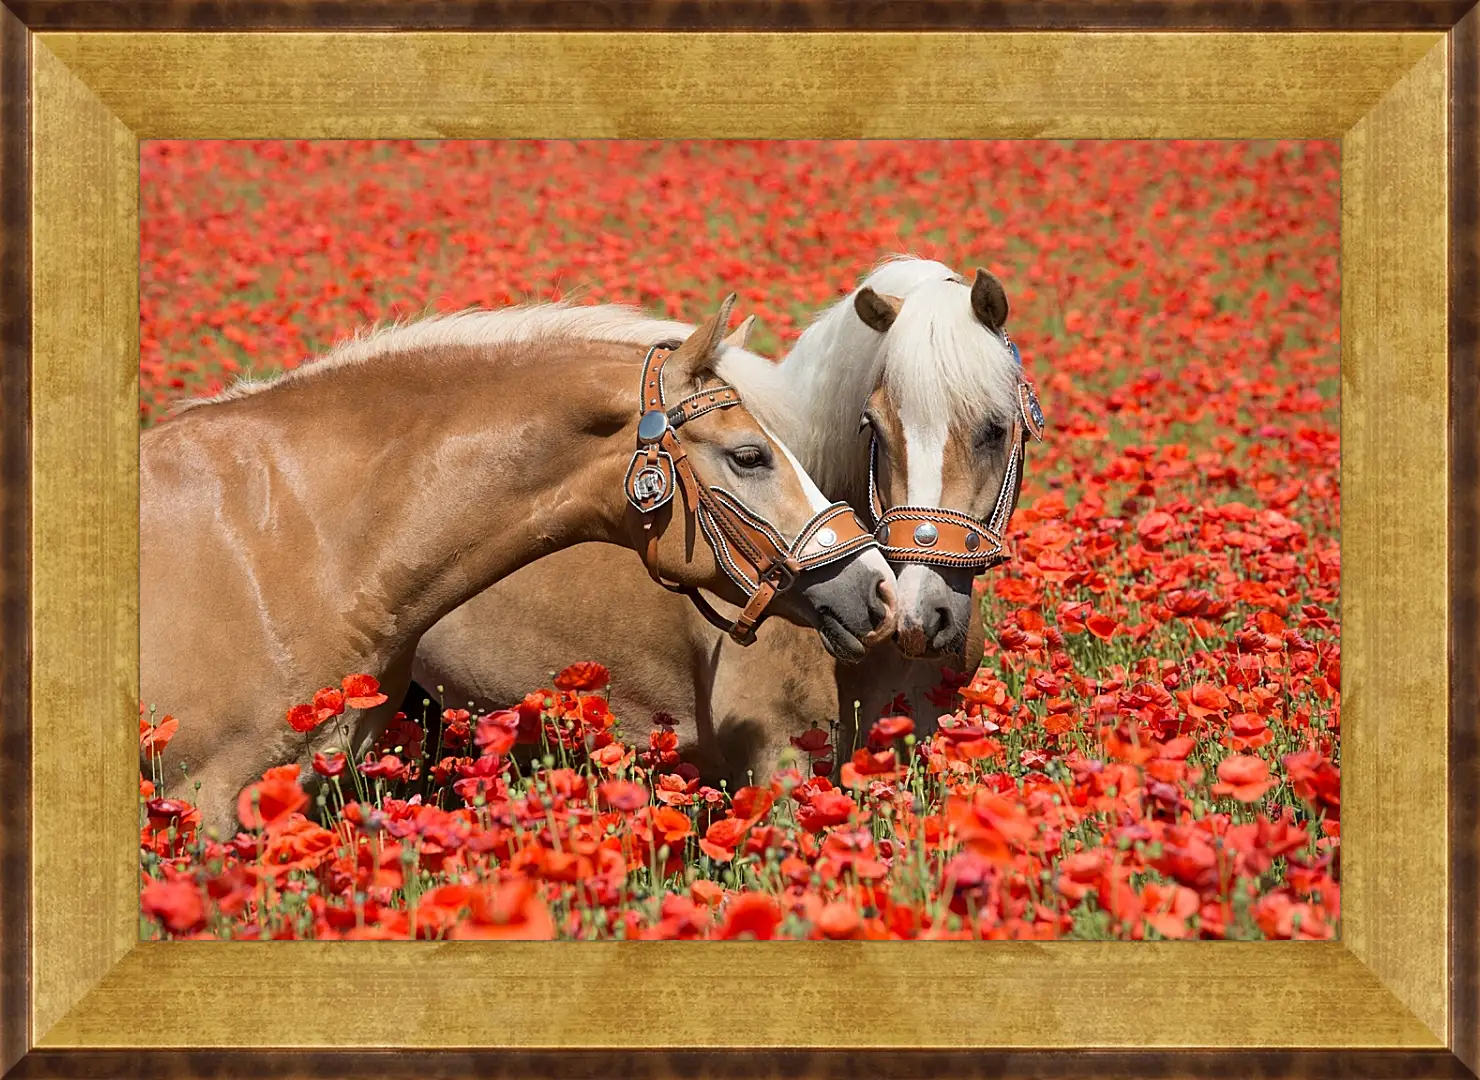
1389,984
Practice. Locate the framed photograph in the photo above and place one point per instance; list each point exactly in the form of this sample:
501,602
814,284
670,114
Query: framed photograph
1053,428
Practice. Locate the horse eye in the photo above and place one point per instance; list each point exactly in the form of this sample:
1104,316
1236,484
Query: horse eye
991,434
748,457
865,422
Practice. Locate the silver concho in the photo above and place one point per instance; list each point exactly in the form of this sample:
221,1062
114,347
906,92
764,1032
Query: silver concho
652,426
973,541
650,484
926,535
826,538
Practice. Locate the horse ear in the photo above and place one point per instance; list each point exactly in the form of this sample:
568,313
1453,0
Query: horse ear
989,300
740,336
877,310
695,357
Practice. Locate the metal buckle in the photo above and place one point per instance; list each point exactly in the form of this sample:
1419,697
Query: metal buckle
781,577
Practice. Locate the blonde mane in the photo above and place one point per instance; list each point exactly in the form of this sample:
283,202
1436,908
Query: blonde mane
475,328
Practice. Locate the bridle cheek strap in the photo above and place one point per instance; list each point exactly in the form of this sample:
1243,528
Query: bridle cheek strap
933,536
751,550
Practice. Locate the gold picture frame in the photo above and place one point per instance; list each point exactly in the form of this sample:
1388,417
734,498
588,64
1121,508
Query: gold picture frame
84,83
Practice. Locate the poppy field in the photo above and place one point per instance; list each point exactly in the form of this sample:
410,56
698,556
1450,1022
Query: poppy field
1151,747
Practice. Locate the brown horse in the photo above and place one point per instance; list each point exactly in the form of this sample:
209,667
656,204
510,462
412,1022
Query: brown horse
296,531
913,372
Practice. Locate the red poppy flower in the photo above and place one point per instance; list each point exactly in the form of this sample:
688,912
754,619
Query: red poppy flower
298,844
824,809
328,702
361,692
306,717
166,810
1248,731
1033,759
623,795
480,778
583,676
673,789
400,736
1282,917
1244,777
850,851
865,768
671,826
177,904
1012,639
153,739
332,765
812,741
839,922
991,825
706,892
271,799
609,758
388,767
1071,615
498,731
888,729
750,915
1080,874
1155,528
1168,907
1203,700
455,728
752,803
1315,780
723,837
510,911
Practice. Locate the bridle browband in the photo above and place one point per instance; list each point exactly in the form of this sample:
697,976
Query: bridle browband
933,536
750,549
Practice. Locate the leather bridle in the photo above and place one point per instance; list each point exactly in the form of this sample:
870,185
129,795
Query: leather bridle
933,536
750,549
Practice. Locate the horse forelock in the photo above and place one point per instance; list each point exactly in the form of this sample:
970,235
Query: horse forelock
941,359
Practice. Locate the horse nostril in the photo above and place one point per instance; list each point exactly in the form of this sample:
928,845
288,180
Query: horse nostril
881,607
938,619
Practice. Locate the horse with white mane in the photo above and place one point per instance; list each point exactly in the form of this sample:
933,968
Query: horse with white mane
913,374
314,526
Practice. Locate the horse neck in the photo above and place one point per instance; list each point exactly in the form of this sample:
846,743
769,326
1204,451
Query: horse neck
473,466
813,399
543,450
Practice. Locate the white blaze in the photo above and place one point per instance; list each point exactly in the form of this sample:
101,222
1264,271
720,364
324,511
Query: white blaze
924,459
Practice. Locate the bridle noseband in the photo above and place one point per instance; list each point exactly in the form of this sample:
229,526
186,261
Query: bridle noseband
750,549
934,536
